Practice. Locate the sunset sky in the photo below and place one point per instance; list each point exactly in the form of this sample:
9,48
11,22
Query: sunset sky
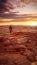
18,11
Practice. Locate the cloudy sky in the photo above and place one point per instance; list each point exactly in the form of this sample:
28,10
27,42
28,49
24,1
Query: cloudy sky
18,9
25,6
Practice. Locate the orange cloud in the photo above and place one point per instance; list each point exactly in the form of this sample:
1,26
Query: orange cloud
24,2
29,1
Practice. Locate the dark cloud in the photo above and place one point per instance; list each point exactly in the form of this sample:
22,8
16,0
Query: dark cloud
14,16
2,3
5,5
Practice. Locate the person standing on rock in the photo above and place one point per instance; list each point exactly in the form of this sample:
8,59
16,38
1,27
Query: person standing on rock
10,29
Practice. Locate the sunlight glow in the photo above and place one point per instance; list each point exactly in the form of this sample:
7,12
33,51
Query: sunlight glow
27,23
32,23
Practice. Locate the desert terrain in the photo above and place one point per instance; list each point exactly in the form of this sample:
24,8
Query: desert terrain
18,47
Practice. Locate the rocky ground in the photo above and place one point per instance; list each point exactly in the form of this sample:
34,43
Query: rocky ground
18,49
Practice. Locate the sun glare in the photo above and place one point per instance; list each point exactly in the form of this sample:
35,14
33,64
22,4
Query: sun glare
27,23
32,23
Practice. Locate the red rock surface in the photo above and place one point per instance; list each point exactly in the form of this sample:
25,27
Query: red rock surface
18,49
